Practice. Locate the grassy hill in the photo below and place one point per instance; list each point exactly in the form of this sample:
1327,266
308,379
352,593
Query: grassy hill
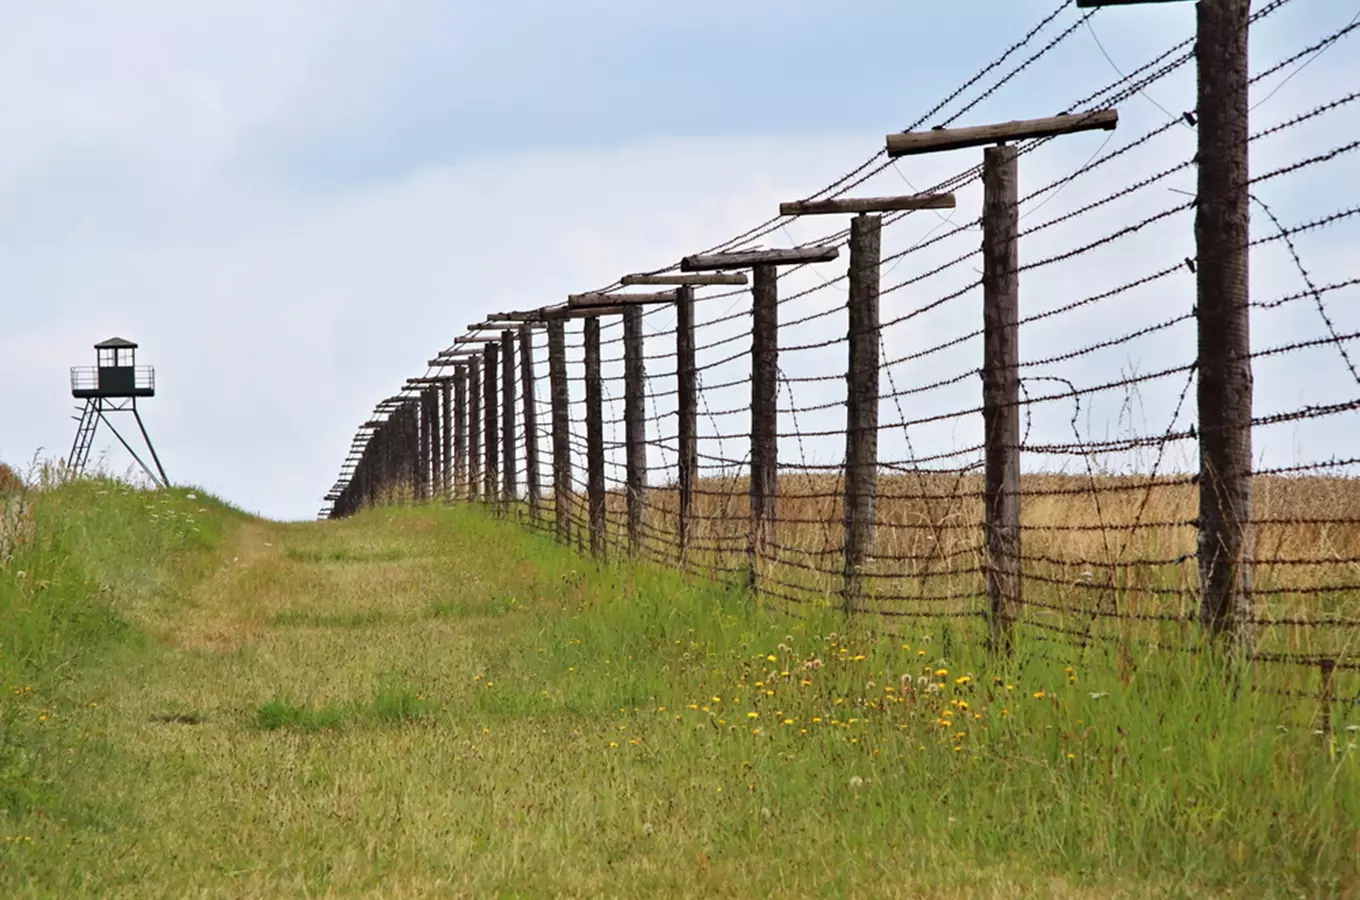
425,702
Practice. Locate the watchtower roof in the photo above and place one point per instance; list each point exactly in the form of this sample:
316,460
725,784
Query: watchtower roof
116,343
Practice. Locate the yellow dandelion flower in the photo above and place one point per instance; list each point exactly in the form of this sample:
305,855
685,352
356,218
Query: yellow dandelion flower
755,731
963,679
753,715
788,721
771,658
807,682
941,673
1039,695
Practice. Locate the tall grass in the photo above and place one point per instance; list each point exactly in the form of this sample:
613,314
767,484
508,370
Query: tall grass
75,554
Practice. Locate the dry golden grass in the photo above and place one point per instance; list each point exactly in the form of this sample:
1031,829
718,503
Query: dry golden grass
1105,558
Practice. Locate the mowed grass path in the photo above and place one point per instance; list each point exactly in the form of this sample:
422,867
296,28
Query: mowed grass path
429,703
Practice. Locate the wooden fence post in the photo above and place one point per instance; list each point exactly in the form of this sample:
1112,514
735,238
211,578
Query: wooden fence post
446,431
561,428
687,412
635,425
1226,542
861,413
594,436
1001,389
530,415
508,463
491,434
460,431
474,428
411,422
423,446
436,445
764,414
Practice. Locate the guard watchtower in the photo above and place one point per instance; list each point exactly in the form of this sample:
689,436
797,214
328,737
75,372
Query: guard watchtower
113,385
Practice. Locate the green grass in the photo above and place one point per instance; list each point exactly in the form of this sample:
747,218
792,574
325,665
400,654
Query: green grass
427,703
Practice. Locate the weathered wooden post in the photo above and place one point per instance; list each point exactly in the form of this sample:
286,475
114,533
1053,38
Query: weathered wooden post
862,371
446,432
509,464
460,431
1001,357
474,432
594,436
561,429
1001,387
422,480
411,420
635,425
490,433
1222,214
687,424
530,415
764,380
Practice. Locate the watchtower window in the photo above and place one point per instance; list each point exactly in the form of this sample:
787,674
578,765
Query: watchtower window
114,357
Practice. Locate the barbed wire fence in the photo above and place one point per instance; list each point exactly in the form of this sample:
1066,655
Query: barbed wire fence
1045,425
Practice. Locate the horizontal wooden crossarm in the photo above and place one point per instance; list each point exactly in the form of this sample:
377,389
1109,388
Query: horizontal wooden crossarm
911,142
581,312
530,315
433,379
747,259
866,204
453,356
597,299
1089,4
691,280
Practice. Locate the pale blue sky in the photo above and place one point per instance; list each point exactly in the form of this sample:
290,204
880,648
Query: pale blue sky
292,204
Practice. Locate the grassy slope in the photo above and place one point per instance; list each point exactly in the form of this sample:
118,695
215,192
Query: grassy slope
425,703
